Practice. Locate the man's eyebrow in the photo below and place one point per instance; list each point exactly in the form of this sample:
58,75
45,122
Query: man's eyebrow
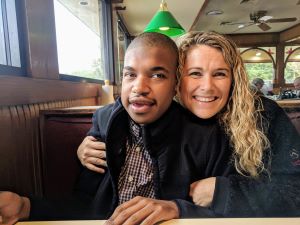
153,69
128,68
159,68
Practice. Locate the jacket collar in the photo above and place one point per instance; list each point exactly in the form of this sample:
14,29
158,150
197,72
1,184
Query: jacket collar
154,134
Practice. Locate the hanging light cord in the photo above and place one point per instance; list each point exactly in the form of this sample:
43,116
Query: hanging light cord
163,6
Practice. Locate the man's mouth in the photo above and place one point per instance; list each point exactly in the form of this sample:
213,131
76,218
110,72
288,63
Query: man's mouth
141,105
205,99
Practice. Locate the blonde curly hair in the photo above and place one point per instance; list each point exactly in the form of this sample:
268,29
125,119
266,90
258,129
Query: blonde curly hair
241,117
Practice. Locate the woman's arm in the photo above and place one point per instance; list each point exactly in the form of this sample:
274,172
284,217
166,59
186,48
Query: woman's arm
274,193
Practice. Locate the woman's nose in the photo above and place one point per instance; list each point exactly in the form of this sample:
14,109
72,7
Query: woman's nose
207,82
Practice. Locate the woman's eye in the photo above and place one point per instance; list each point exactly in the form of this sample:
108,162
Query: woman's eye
195,74
220,74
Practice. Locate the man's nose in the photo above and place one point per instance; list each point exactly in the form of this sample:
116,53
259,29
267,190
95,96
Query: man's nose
141,85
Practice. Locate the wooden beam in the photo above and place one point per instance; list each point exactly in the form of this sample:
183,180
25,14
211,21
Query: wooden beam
290,34
255,40
21,90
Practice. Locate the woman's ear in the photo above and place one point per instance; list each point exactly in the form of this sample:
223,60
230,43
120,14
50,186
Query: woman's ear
177,94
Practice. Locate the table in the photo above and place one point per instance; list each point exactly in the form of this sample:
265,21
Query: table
229,221
289,103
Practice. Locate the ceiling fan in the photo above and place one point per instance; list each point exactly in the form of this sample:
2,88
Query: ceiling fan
260,19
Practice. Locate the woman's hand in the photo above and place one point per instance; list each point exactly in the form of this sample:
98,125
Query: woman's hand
202,191
92,154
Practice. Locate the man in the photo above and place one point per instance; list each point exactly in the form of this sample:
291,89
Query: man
297,86
147,138
257,85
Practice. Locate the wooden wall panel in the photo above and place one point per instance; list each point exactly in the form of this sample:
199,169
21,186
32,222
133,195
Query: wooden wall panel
20,145
255,40
22,90
290,34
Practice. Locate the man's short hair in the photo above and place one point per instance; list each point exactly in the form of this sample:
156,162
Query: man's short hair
257,81
153,39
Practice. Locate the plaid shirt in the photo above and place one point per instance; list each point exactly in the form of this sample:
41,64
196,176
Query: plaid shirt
136,177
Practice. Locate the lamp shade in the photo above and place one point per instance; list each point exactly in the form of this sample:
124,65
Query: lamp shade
164,22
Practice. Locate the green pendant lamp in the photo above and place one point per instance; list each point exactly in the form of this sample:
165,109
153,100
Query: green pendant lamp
164,22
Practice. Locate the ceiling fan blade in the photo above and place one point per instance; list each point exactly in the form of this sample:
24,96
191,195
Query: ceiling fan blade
244,1
248,1
264,26
236,23
248,25
282,20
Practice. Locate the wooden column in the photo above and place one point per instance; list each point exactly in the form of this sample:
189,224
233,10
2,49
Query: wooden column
41,57
279,74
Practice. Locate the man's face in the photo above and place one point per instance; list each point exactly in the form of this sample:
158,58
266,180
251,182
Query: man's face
148,85
259,86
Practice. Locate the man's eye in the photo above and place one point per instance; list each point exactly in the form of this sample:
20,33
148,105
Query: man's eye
158,75
129,75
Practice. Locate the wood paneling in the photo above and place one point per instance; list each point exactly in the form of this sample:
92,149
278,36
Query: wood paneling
62,130
290,34
20,90
255,40
20,145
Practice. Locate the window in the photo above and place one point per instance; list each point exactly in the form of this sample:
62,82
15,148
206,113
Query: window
10,55
121,41
292,63
80,38
259,63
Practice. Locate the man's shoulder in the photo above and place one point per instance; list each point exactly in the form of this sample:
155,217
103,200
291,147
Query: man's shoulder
107,110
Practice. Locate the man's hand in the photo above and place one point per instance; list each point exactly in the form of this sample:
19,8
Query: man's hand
13,208
202,191
141,210
92,154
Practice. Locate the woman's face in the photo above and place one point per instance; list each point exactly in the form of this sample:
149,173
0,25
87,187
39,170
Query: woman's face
205,82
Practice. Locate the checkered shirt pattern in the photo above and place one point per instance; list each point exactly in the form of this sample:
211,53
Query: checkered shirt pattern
136,177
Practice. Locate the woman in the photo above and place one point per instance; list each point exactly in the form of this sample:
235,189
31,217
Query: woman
264,145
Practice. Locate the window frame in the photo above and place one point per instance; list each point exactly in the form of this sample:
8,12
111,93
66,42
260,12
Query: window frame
108,48
10,69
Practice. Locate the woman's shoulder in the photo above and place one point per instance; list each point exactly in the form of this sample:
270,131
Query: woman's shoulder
270,107
268,103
